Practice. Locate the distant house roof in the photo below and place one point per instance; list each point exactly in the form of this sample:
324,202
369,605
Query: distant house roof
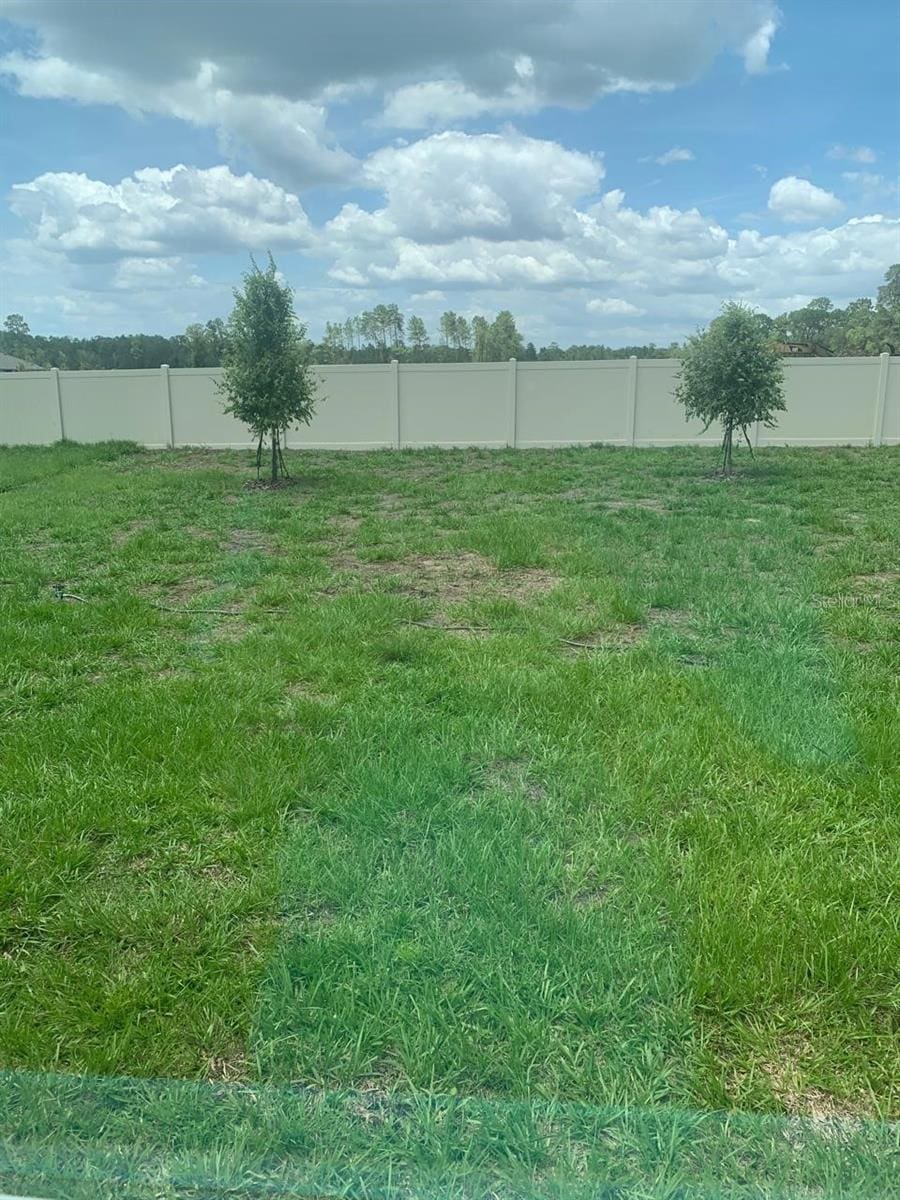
9,362
803,349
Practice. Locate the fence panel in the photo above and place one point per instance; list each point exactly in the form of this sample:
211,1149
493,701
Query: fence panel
890,416
29,412
830,401
101,406
565,403
659,421
454,404
356,409
197,416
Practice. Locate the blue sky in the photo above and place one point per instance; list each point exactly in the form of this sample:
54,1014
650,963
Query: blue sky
610,170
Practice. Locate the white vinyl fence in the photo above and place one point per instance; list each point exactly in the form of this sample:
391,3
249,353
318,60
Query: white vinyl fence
628,402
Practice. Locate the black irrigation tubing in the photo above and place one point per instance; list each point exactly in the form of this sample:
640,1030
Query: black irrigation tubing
222,612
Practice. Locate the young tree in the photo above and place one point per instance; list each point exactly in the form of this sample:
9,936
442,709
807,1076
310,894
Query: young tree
267,382
731,373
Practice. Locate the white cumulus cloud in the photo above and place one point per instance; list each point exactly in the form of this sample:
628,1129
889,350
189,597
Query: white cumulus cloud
493,236
613,307
159,213
478,222
452,185
799,201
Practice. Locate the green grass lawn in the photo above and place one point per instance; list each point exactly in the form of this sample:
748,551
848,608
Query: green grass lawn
561,776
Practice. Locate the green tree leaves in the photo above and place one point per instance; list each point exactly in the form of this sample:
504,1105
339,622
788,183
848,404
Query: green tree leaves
732,373
267,382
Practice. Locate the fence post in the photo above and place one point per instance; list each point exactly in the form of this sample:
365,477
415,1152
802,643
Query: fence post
167,395
631,399
59,407
511,403
395,401
884,365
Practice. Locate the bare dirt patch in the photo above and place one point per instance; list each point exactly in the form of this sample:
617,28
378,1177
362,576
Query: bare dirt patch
189,460
127,532
877,582
203,535
375,1102
273,485
832,544
180,593
345,523
229,1068
452,578
221,874
392,501
620,637
301,690
677,618
786,1071
230,626
510,775
317,915
628,635
799,1101
196,597
593,896
242,540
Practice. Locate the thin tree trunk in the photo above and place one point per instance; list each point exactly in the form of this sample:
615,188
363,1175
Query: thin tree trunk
274,453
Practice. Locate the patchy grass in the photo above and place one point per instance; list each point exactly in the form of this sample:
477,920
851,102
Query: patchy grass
561,775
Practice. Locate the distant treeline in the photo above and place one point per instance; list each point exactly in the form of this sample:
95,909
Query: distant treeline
381,333
375,336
